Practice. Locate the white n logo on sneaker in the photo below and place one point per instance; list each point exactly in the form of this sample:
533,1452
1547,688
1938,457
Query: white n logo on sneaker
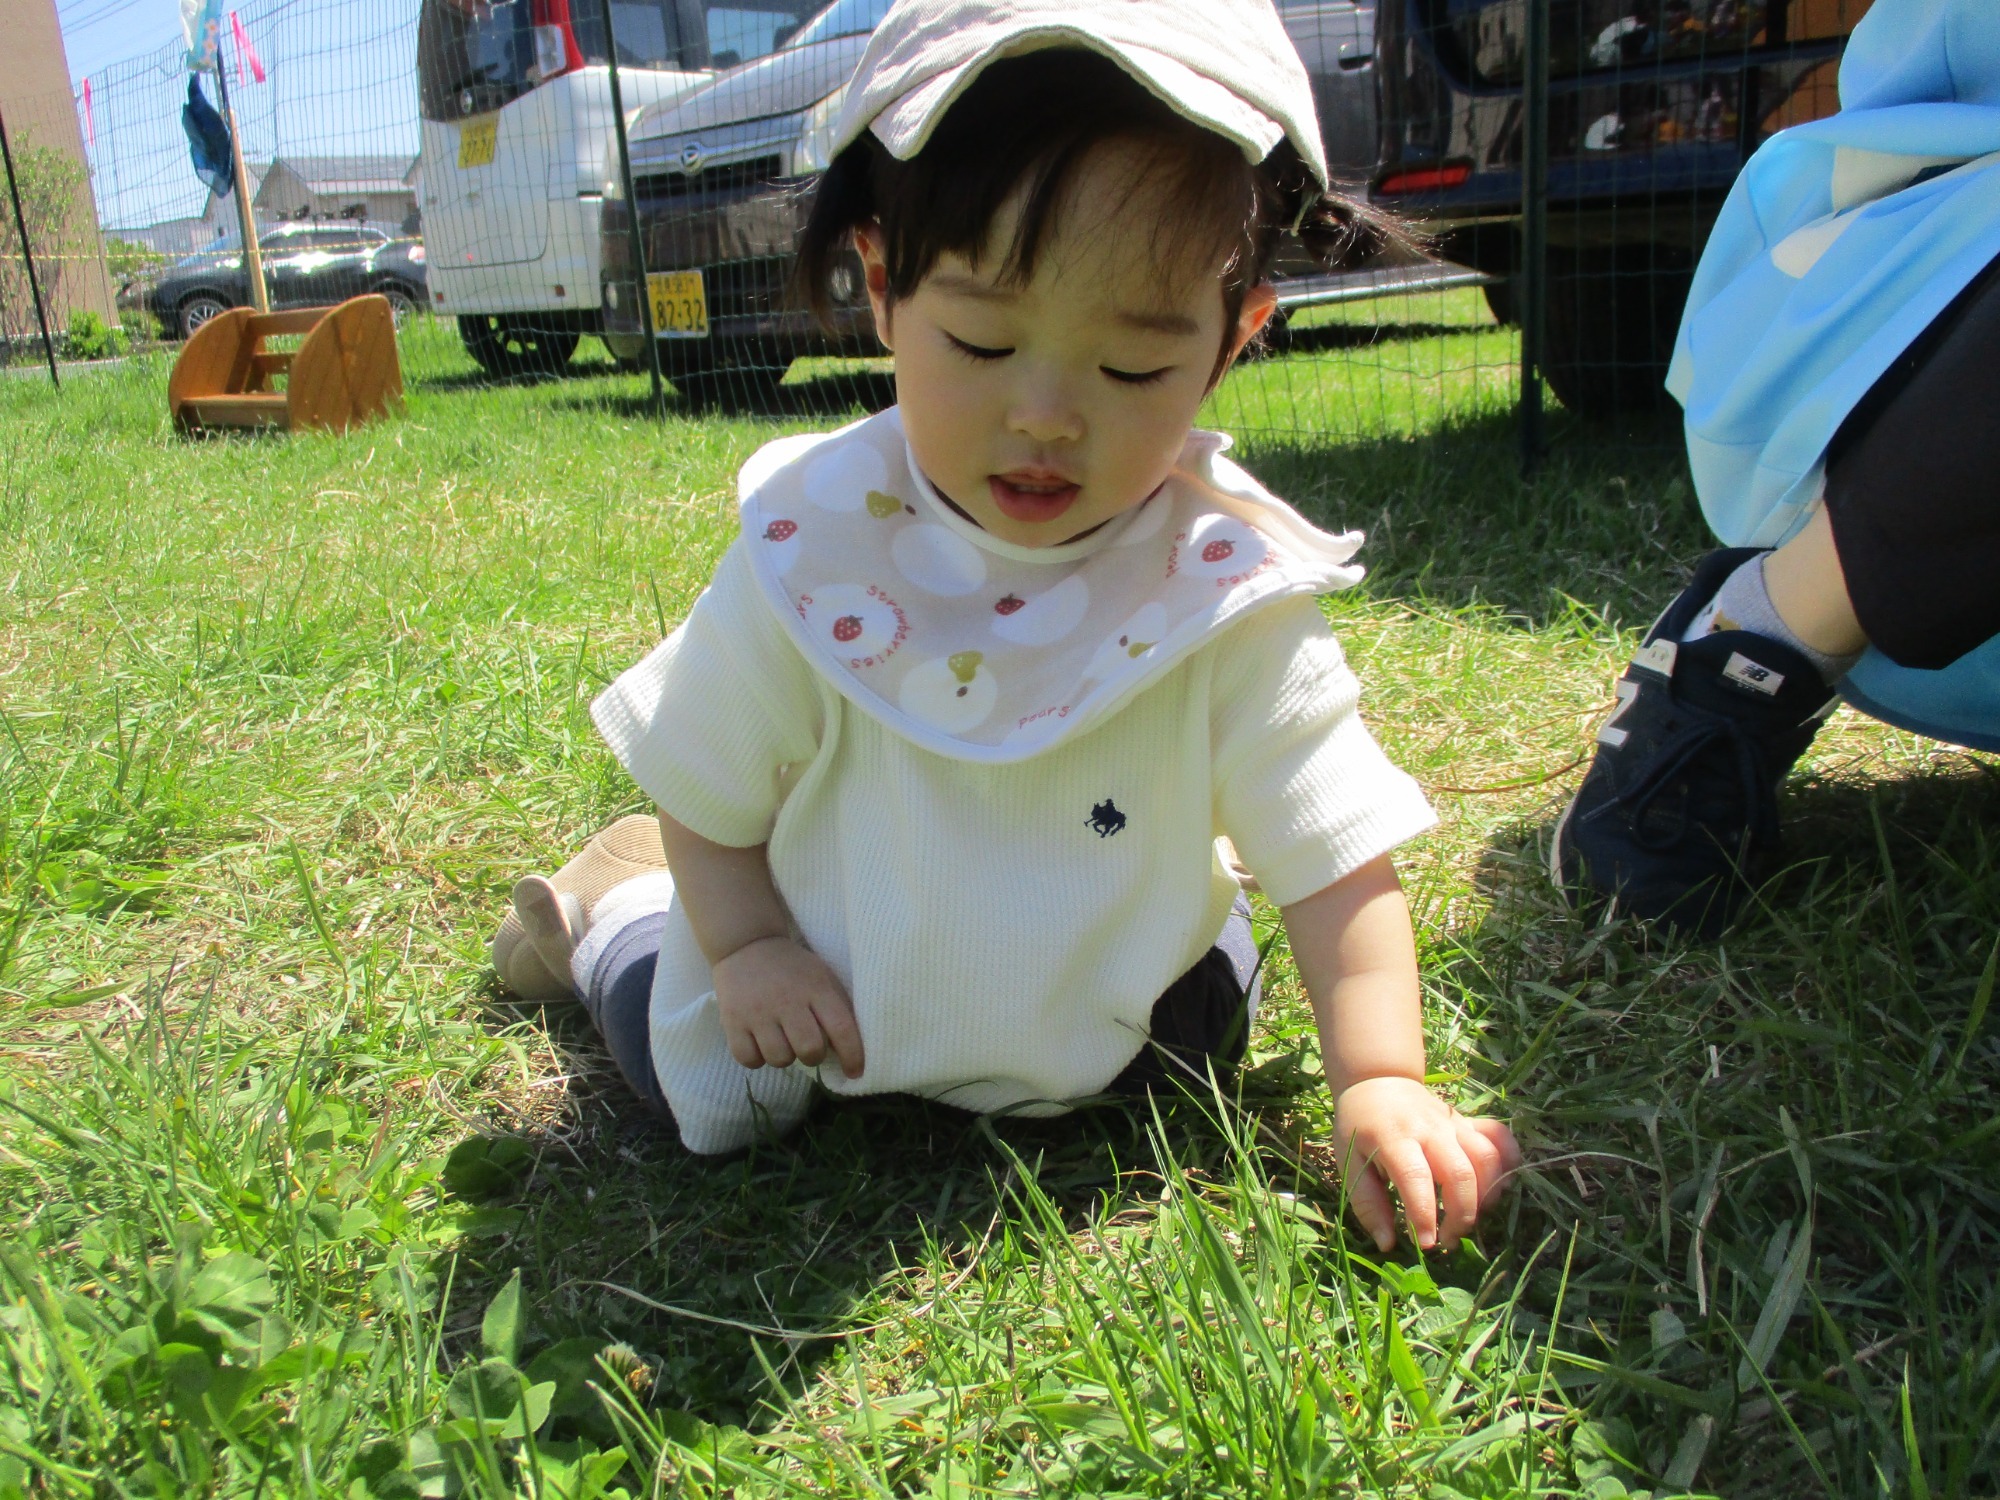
1746,673
1608,733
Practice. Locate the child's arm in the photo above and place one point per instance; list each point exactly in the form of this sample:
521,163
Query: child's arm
1355,952
778,1000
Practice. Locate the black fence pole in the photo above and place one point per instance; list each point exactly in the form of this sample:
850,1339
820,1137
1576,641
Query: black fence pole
642,283
28,254
1534,234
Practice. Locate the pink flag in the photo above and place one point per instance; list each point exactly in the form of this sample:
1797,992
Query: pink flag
245,50
89,124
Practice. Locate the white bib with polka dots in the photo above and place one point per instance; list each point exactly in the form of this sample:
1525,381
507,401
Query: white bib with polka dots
986,651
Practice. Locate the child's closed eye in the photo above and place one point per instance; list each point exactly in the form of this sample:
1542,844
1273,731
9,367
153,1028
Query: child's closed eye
1136,377
976,352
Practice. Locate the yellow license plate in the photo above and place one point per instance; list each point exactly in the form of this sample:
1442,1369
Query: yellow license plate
680,304
475,142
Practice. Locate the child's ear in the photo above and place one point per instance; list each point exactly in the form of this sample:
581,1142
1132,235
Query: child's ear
1259,303
875,274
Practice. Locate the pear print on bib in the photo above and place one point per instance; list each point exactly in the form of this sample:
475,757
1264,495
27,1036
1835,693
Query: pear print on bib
952,694
986,651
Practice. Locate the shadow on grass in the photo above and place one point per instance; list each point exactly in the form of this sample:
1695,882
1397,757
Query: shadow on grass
769,1253
1825,1070
1610,523
479,379
829,395
1322,338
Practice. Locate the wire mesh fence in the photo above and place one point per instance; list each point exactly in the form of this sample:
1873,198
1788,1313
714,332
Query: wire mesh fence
1563,160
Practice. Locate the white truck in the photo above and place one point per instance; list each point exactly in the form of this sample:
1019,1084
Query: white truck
518,146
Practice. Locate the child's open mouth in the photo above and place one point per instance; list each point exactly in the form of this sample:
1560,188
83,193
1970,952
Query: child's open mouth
1031,497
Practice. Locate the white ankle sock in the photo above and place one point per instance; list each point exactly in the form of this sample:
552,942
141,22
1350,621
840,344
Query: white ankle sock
625,902
1744,603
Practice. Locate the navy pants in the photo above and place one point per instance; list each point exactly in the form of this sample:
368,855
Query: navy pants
1203,1017
1913,489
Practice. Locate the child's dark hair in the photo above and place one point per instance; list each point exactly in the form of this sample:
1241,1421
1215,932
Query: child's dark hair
1024,126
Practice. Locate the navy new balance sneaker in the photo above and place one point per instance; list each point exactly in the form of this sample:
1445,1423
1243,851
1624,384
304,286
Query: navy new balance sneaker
1677,819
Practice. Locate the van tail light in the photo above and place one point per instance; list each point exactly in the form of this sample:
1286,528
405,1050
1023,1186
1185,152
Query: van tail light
556,49
1425,179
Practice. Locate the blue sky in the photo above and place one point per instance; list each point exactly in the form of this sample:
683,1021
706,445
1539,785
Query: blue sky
99,32
342,79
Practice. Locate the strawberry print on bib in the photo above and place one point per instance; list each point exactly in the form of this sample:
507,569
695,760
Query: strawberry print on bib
982,650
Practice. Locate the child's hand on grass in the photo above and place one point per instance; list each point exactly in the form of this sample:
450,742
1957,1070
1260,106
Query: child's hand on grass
1395,1132
780,1002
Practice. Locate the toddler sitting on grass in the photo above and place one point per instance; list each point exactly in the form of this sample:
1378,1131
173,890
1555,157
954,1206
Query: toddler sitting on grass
942,754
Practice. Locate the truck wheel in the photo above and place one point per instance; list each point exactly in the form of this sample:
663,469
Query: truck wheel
627,351
1610,326
517,344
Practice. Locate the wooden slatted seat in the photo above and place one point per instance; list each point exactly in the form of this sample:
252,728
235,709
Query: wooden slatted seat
252,409
345,371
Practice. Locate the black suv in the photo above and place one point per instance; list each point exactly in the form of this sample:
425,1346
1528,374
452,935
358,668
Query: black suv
305,265
1654,106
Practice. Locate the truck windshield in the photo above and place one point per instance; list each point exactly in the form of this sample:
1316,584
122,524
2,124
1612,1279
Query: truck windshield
474,56
751,29
842,18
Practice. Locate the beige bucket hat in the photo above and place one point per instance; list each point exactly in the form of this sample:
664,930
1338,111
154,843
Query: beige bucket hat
1224,64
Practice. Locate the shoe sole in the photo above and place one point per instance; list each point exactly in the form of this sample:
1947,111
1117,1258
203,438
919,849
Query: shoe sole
1556,848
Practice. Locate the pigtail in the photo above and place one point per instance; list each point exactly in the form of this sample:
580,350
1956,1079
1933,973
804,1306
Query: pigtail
1339,232
1342,234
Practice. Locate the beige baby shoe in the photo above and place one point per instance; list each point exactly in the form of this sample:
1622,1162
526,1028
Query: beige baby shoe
551,913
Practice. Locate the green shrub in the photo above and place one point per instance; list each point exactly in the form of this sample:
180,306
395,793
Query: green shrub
89,338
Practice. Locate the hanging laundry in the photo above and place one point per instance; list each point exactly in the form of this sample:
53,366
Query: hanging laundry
208,139
201,21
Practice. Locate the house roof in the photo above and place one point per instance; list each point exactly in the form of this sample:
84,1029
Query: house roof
256,171
350,174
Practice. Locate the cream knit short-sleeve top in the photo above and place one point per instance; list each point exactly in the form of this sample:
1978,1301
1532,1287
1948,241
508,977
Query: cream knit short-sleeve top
1003,916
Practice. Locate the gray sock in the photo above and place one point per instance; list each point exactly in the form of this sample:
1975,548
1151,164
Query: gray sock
1744,603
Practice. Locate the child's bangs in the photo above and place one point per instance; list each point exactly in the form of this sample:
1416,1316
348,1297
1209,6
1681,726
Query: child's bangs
1018,140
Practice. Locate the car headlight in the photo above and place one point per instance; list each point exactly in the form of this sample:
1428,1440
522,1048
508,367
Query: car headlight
813,152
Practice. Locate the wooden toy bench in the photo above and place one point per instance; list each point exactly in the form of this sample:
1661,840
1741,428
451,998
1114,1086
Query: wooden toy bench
344,373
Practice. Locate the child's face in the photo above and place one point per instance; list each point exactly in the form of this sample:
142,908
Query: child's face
1045,410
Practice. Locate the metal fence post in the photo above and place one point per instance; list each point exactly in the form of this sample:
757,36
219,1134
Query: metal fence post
642,283
28,254
1534,234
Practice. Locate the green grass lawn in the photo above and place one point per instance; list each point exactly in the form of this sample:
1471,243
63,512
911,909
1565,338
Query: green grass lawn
297,1203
